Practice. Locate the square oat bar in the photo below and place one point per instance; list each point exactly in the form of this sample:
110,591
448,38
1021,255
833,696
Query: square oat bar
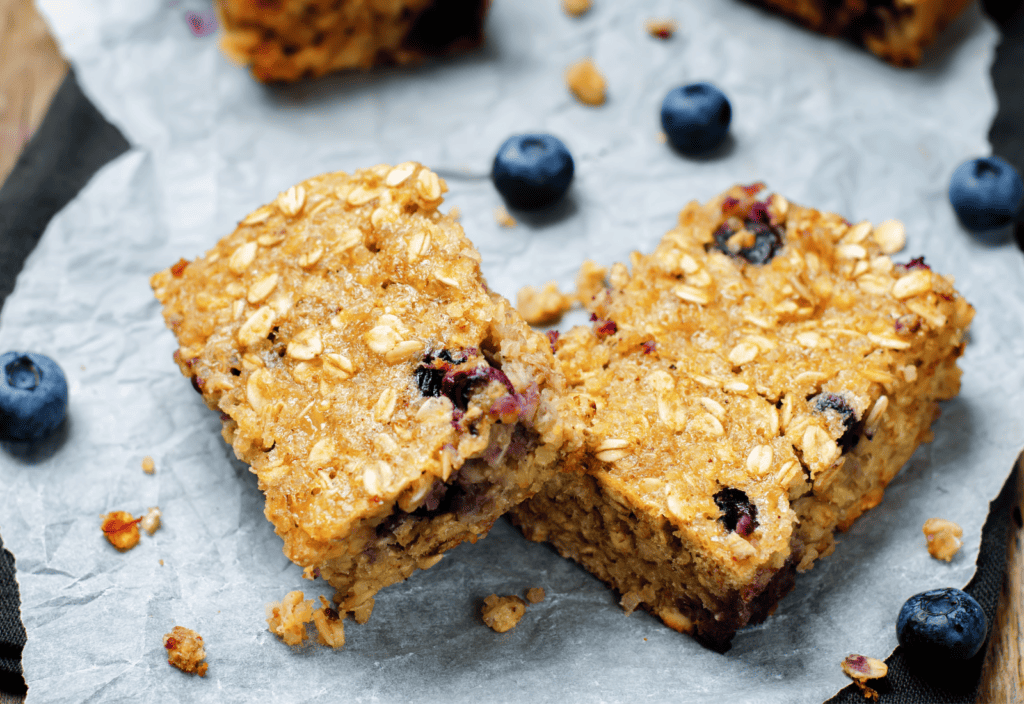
285,40
747,389
390,404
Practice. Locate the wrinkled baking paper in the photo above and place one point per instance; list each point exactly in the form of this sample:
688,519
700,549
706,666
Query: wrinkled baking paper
820,121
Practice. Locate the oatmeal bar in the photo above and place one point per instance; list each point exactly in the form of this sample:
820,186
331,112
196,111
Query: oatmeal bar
748,388
390,404
896,30
285,40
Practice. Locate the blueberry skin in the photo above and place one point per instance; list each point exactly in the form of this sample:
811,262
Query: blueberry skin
944,624
532,171
33,396
986,193
696,117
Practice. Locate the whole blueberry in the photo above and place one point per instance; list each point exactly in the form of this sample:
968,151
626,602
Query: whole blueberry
532,170
944,624
695,117
986,193
33,396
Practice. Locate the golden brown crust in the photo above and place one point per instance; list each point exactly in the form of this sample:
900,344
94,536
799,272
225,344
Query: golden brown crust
739,412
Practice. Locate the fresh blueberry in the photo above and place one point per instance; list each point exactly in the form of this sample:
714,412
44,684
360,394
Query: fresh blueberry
986,193
532,171
944,624
33,396
696,117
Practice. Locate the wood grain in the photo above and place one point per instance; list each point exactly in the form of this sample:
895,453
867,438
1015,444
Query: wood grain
31,70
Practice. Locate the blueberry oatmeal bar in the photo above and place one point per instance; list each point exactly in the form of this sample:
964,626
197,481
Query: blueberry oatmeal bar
285,40
747,389
895,30
390,404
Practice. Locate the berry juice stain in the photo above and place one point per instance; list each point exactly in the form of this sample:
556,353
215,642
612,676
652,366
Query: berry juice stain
201,24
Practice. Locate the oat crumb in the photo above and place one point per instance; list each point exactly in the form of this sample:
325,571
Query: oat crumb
576,8
943,538
503,217
330,630
147,465
161,563
586,82
661,28
151,521
860,669
590,281
287,618
185,650
543,306
535,595
455,213
121,529
502,613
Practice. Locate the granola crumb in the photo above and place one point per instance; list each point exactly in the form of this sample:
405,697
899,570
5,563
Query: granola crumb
860,669
535,595
503,217
661,28
185,650
586,82
576,8
147,465
502,613
943,538
287,618
455,213
330,630
543,306
161,563
151,521
121,529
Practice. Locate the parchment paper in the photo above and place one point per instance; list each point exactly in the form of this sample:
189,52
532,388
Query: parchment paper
821,122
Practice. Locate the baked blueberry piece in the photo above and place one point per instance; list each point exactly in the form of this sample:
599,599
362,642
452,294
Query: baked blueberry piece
747,389
895,30
390,404
285,40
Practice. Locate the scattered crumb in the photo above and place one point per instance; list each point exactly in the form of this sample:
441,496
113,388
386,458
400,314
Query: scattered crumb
590,281
535,595
586,82
502,613
544,306
151,521
147,465
662,138
860,669
629,602
661,28
943,538
576,7
161,563
329,627
361,613
287,619
454,213
121,529
185,650
503,217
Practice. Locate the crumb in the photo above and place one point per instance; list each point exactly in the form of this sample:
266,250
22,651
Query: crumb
661,28
185,650
535,595
590,281
121,529
161,563
662,138
629,602
943,538
576,7
151,521
329,627
147,465
502,613
455,213
586,82
287,618
544,306
860,669
503,217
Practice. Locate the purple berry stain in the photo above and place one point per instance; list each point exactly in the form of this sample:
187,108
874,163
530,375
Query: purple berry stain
201,24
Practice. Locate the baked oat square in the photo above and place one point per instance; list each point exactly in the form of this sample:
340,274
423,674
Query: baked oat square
390,404
750,387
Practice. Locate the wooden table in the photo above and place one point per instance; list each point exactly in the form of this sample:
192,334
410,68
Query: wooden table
32,68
